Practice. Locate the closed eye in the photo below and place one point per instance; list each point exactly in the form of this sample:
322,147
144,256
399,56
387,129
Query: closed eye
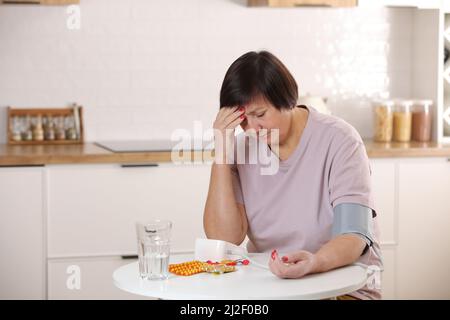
261,115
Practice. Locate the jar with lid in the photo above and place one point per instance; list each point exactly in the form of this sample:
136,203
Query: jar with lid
402,120
421,120
383,120
38,131
27,134
49,128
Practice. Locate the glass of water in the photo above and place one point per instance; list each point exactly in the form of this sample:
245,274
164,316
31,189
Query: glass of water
154,248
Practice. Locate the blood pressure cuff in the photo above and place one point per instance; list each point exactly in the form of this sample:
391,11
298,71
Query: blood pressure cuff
354,218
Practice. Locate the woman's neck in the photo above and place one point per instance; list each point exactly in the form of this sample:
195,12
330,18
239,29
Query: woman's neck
299,117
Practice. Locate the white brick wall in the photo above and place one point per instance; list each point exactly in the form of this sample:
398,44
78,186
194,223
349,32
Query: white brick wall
142,68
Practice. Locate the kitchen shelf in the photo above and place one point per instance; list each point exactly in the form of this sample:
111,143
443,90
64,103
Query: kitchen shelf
41,2
446,79
428,70
24,125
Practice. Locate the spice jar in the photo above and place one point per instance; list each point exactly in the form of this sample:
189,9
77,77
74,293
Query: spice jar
402,120
49,128
27,134
38,131
421,120
60,131
383,120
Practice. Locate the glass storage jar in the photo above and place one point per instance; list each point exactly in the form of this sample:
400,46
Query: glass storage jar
383,120
421,120
402,120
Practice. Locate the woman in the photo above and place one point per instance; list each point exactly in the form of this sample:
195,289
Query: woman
317,208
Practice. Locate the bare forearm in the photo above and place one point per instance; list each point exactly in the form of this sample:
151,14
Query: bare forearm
340,251
222,219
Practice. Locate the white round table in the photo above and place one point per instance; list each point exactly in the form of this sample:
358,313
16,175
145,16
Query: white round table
248,282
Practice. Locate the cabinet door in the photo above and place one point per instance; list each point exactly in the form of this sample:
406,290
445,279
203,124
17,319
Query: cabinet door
388,274
423,254
89,278
22,268
384,192
93,209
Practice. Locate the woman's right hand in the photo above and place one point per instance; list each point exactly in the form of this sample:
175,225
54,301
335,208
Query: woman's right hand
224,126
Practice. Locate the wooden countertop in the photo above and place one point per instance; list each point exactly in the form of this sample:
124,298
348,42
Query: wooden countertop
79,154
90,153
406,149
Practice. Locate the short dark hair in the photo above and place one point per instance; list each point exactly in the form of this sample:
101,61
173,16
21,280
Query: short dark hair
258,74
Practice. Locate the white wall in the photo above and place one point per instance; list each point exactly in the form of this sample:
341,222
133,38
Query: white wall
142,68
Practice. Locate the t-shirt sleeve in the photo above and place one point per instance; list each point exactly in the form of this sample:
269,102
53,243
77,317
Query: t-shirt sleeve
350,175
237,184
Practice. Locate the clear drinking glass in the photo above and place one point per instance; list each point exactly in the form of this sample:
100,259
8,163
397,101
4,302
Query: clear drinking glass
154,248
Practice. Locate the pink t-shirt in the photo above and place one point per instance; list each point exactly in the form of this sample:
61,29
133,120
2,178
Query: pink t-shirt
292,209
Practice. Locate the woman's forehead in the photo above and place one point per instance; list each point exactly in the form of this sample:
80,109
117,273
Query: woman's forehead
257,104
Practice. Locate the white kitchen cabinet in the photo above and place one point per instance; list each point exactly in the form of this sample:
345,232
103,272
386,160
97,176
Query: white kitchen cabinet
384,188
86,278
92,212
389,270
87,213
412,197
384,193
93,208
22,253
423,255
